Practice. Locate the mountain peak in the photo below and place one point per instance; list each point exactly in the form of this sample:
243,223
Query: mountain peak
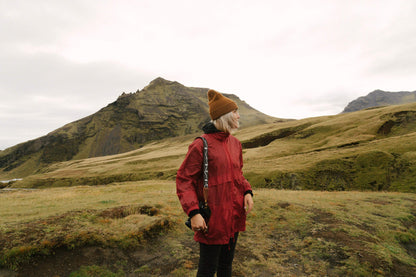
159,81
161,110
378,98
377,91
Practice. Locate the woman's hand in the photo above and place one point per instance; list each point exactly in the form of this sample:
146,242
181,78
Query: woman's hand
248,203
198,223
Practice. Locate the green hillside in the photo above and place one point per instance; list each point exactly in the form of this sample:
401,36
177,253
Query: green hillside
118,215
366,150
161,110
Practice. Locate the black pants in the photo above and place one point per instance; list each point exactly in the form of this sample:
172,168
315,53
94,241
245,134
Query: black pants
216,258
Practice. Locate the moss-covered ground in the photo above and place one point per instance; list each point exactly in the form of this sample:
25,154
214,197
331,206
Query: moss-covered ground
136,229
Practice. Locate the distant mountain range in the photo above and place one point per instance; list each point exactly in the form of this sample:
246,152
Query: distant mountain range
161,110
370,149
379,98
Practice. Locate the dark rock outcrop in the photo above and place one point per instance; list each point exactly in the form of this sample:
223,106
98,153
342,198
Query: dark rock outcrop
160,110
379,98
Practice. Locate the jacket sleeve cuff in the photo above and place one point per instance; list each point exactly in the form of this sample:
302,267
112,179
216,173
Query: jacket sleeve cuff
249,192
193,212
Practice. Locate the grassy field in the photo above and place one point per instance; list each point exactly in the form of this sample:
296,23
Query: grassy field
119,216
136,229
370,150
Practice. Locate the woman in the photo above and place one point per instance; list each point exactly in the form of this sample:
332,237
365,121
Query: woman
230,194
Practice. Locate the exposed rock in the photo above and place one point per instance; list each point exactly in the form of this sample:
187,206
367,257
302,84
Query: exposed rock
379,98
162,109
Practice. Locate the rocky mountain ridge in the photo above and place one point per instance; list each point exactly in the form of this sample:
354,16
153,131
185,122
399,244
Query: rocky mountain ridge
161,110
379,98
372,149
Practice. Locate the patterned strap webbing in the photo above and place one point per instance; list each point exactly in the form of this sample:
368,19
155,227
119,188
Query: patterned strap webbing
205,165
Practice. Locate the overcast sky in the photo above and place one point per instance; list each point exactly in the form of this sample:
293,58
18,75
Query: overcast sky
63,60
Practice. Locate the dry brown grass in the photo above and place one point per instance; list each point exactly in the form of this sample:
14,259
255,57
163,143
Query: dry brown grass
289,233
27,205
338,137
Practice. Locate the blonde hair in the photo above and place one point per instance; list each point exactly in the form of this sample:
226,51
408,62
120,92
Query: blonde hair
226,123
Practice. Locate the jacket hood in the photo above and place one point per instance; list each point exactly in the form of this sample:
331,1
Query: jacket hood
210,128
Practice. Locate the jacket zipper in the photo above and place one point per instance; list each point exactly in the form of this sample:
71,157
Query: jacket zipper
230,166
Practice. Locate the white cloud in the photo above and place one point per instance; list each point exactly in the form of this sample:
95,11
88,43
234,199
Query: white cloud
41,92
290,59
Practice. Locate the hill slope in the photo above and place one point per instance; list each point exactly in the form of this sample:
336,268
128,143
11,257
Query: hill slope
380,98
162,109
365,150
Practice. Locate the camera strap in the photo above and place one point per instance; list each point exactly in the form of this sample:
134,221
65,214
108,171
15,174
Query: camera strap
205,169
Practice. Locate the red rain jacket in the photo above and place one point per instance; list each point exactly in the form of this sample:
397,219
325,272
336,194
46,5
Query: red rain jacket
227,186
